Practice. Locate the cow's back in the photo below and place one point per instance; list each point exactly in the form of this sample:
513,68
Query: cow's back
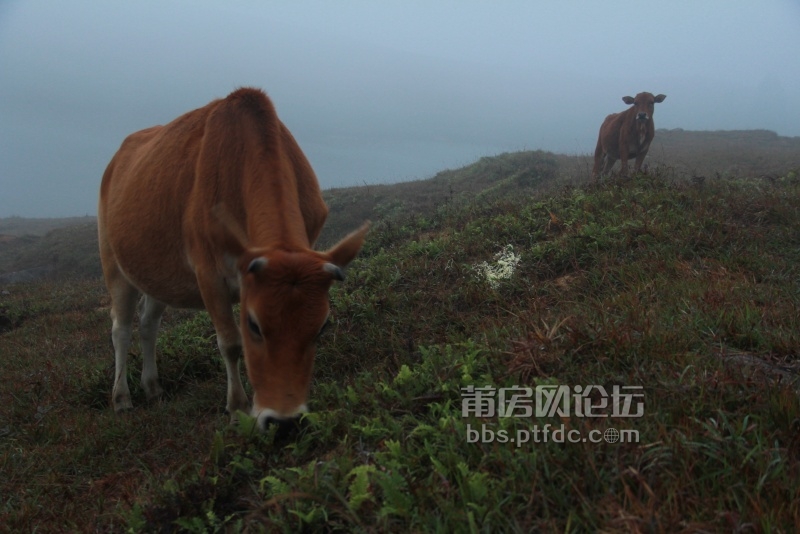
158,193
609,133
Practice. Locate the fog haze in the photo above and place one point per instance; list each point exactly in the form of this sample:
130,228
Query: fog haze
376,91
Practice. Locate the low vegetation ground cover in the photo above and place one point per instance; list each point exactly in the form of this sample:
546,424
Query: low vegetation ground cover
686,291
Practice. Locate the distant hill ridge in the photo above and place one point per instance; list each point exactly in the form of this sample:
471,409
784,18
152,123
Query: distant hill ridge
16,226
725,152
69,245
764,136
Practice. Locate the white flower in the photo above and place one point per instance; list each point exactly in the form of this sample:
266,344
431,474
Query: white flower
505,264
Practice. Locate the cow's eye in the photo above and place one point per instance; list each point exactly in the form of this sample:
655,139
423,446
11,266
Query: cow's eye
253,327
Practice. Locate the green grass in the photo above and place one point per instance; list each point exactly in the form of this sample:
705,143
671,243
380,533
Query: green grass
689,290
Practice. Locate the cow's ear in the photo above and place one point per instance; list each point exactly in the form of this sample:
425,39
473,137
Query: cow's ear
627,99
227,233
343,252
660,98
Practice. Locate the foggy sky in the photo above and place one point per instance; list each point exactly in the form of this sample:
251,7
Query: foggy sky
378,91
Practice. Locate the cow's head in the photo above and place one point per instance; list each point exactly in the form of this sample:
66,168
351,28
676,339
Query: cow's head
284,308
644,104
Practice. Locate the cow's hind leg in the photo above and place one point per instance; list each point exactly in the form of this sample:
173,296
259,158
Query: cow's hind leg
599,160
149,321
123,307
608,164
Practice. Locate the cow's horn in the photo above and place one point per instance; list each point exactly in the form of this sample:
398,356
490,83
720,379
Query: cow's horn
334,271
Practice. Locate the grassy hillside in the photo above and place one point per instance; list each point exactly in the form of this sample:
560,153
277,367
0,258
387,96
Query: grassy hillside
489,177
683,154
513,272
686,290
53,246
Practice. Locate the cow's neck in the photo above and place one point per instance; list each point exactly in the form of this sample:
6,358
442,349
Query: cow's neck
274,218
641,131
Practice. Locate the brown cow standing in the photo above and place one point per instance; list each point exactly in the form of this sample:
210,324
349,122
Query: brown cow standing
626,134
216,206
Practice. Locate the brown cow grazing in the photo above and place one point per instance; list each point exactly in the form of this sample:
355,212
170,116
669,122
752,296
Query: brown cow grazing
626,134
219,205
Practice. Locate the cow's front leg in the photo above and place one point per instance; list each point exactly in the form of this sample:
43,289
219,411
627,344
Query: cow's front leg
216,297
623,158
639,160
231,349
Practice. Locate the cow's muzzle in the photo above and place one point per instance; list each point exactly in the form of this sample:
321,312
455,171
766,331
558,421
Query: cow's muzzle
286,425
642,117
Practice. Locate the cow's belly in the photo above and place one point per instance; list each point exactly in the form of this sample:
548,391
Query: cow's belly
160,278
634,149
152,257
